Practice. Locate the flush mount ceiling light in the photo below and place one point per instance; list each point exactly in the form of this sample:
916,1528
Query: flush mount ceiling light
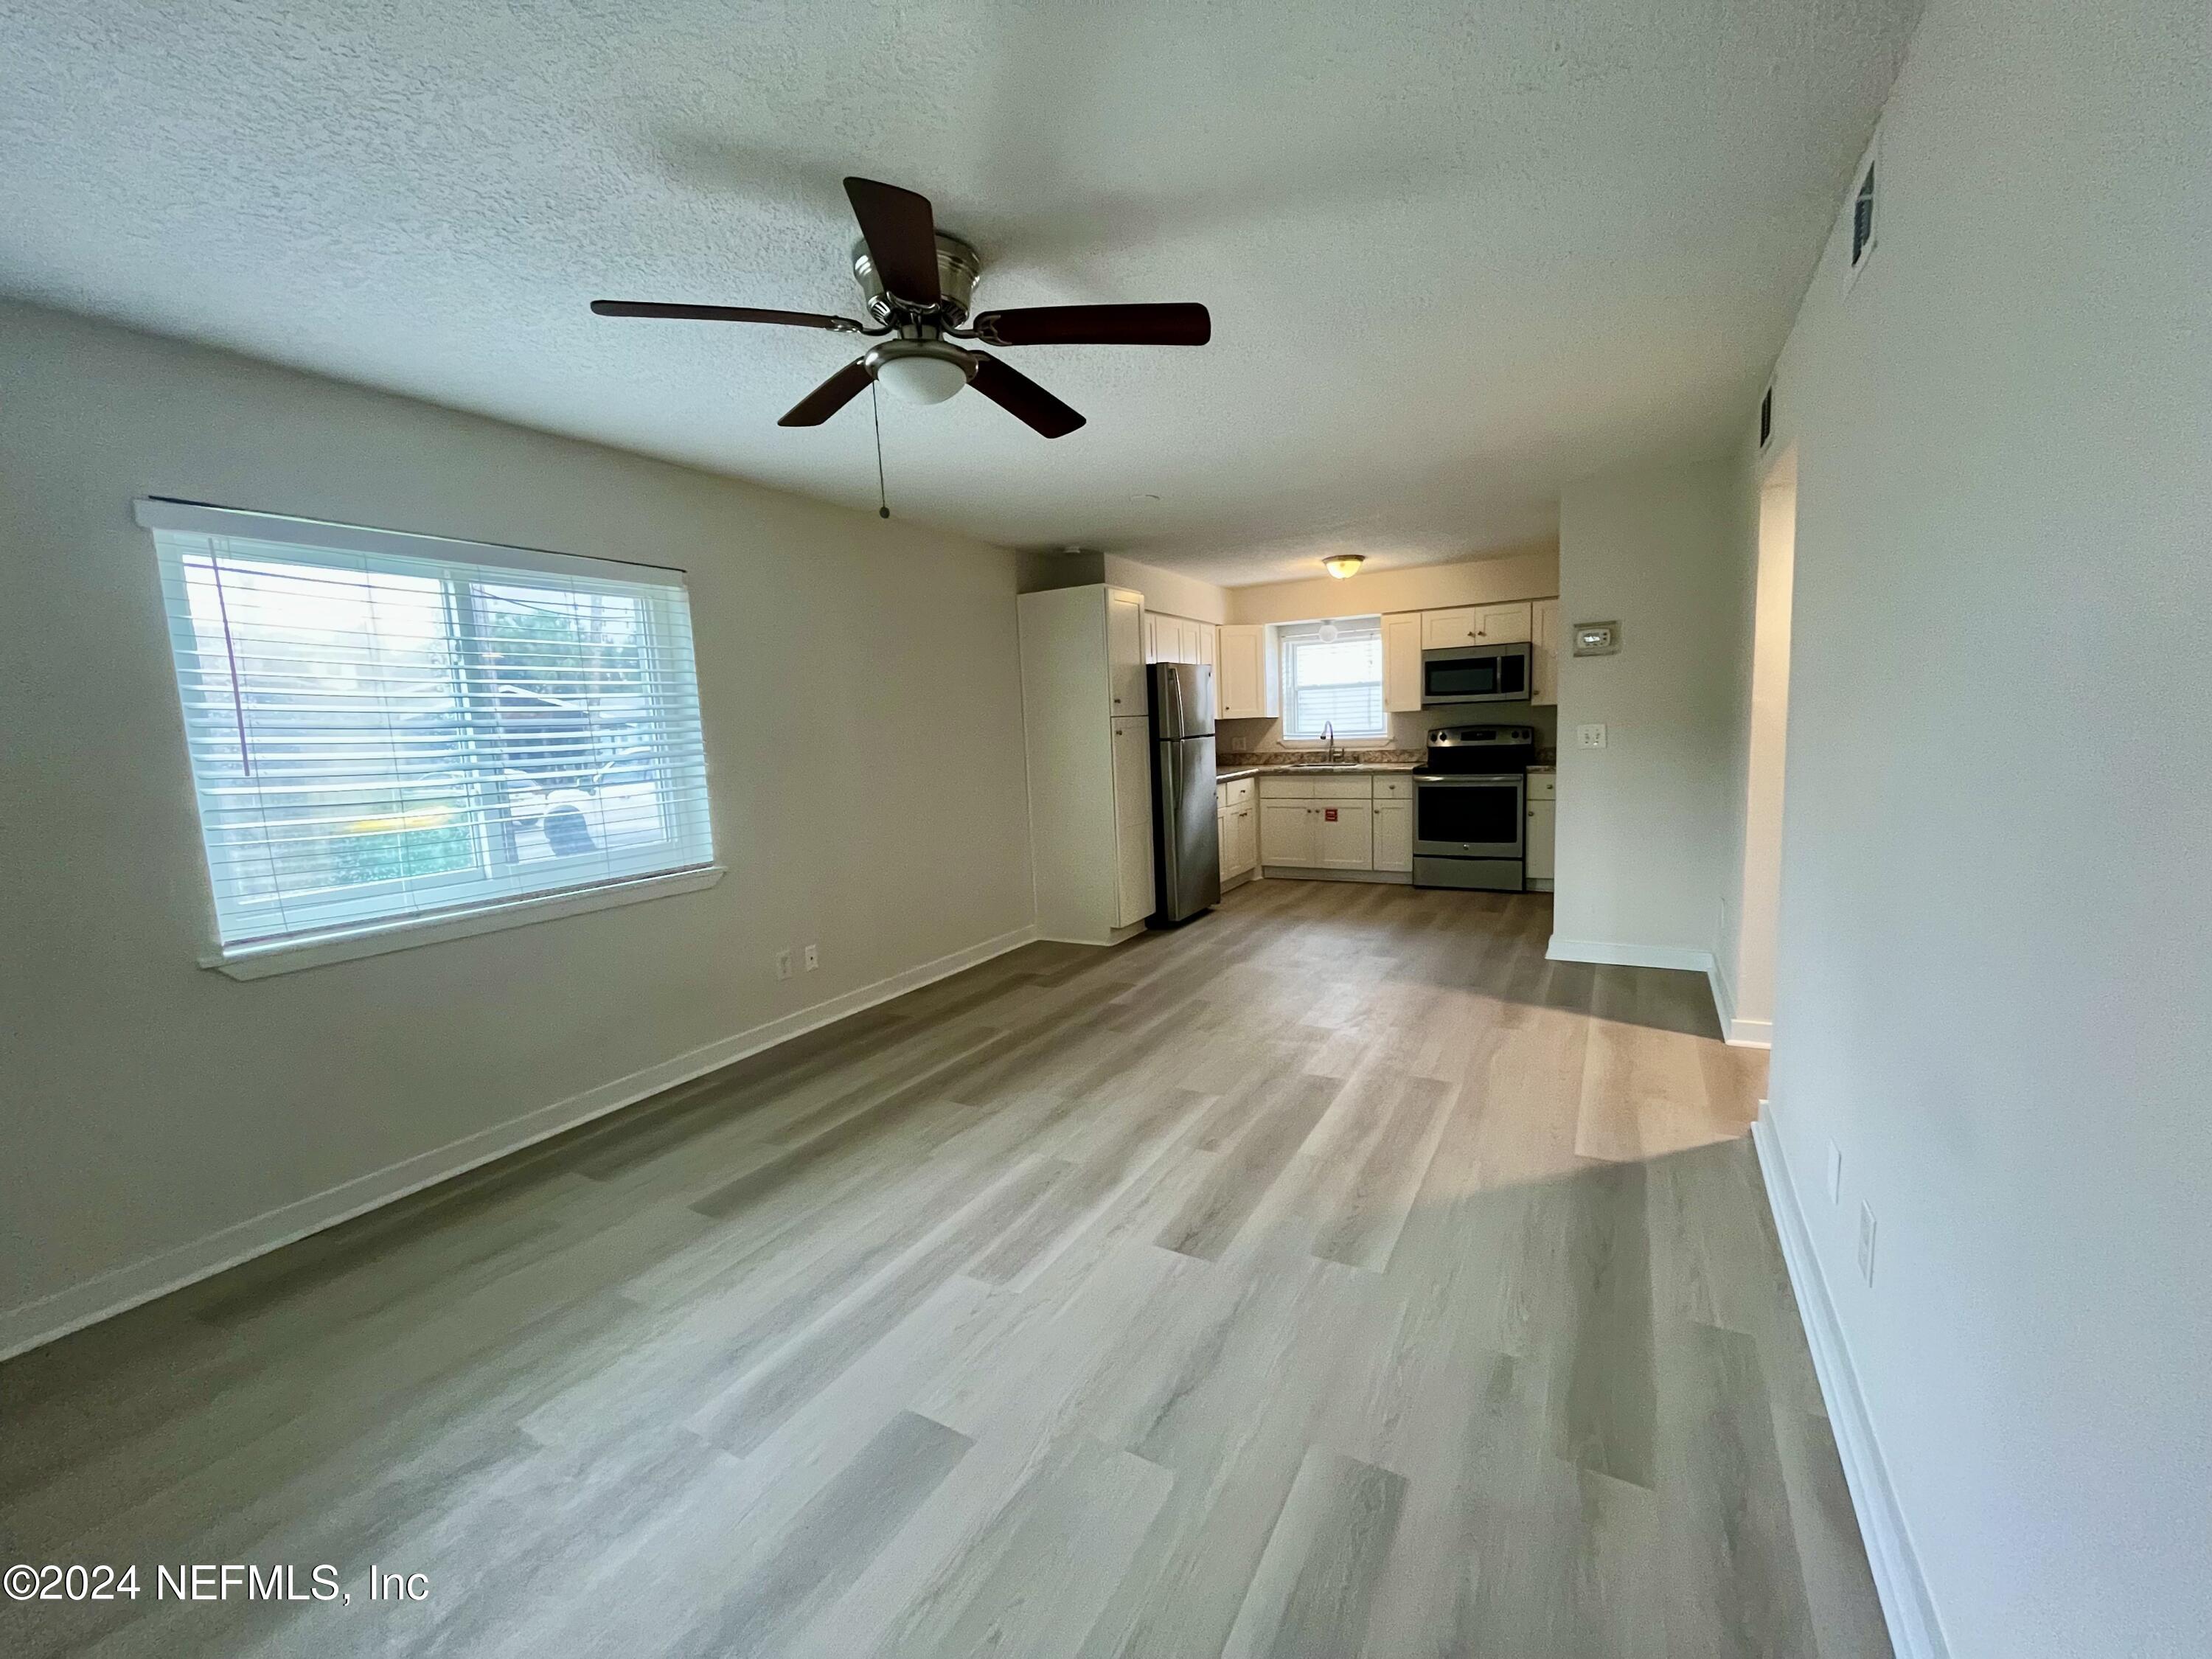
1342,565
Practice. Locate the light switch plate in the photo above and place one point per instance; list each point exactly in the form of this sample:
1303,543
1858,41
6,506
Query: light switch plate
1835,1173
813,958
783,965
1866,1242
1590,737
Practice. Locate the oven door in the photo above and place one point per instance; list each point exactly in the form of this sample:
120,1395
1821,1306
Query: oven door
1475,673
1474,816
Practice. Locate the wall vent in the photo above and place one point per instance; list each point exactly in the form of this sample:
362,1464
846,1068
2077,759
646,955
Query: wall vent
1861,217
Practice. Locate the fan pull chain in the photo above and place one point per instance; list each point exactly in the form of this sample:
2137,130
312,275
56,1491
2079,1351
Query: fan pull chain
875,407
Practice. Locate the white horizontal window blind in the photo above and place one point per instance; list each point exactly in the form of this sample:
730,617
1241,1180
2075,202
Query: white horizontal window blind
1333,680
386,728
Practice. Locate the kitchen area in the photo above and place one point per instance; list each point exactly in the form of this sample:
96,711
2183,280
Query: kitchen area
1173,759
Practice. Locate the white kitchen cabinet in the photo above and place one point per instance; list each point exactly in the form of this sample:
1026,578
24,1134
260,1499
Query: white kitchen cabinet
1125,649
1542,829
1088,745
1244,837
1442,629
1502,625
1475,625
1544,655
1343,836
1250,682
1152,638
1287,834
1362,822
1401,663
1394,835
1133,818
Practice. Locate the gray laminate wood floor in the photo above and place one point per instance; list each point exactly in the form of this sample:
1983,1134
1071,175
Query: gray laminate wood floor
1332,1276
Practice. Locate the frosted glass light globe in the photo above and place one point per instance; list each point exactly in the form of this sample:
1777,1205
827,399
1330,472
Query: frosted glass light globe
922,379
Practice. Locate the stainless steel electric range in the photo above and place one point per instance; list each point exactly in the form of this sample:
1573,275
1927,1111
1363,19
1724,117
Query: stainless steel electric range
1471,808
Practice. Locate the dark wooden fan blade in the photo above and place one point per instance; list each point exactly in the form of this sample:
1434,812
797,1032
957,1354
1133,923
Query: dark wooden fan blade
1023,398
832,395
1162,325
725,314
901,232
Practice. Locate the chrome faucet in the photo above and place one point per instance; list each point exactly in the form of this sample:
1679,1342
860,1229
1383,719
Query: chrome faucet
1328,731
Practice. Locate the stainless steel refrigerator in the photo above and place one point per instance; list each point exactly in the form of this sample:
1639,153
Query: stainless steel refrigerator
1186,837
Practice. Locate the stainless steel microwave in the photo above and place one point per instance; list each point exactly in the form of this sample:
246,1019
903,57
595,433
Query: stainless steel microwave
1475,673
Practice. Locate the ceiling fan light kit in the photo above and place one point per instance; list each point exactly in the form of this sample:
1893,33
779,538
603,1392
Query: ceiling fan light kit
917,284
1344,565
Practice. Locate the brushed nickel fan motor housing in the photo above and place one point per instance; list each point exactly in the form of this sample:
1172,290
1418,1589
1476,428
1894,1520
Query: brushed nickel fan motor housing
957,267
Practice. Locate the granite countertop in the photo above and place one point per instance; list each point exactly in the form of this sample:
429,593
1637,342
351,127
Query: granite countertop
1229,768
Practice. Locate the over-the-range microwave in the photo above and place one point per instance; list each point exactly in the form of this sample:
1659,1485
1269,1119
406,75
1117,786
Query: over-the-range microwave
1475,673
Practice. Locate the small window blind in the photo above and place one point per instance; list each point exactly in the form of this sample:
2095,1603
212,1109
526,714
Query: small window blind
1333,680
385,727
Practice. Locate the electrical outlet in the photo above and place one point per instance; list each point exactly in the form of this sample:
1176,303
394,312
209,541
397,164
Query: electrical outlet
783,965
1590,737
1835,1173
1866,1242
813,958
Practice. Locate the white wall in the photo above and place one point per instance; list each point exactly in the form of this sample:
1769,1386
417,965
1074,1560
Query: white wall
1045,570
1645,825
1994,973
860,685
1528,573
1168,591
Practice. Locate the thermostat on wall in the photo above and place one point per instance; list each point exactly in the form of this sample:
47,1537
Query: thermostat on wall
1596,638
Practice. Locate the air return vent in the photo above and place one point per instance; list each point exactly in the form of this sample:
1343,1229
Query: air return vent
1861,217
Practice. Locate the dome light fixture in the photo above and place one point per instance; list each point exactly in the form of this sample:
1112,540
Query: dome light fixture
1342,565
920,371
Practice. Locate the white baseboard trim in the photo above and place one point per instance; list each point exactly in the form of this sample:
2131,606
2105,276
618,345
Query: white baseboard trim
1737,1033
1615,955
56,1314
1914,1630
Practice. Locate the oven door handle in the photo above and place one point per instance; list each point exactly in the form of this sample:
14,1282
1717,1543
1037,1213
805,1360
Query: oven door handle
1491,780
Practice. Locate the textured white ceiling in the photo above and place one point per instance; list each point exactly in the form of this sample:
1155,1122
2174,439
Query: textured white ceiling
1457,254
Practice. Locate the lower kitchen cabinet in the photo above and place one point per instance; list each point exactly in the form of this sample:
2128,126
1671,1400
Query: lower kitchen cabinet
1343,836
1543,827
1287,836
1236,817
1394,835
1360,823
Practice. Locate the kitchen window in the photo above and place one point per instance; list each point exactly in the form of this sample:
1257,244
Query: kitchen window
390,731
1333,680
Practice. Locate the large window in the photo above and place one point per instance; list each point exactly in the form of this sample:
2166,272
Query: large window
1333,680
386,728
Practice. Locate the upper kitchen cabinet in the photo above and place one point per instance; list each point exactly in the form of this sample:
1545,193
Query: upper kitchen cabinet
1125,650
1402,662
1502,625
1475,625
1248,680
1178,639
1544,657
1442,629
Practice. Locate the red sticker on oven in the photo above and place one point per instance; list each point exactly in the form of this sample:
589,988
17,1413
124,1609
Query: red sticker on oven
1331,814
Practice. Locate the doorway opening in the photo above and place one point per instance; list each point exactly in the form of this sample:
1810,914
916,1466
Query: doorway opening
1753,1021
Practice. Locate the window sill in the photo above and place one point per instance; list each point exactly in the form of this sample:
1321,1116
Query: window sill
290,956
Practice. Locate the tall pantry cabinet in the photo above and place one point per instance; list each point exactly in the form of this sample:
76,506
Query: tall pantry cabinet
1089,739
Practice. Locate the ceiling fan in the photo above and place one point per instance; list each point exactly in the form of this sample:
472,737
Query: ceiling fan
918,282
